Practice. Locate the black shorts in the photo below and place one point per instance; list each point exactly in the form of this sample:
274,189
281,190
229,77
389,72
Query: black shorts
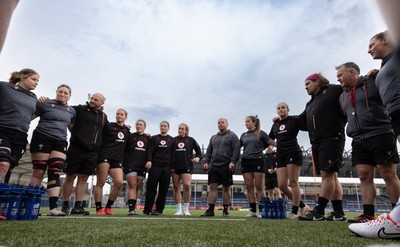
135,173
271,183
295,158
395,119
132,166
220,175
113,163
378,150
81,161
182,171
16,141
41,143
253,165
328,155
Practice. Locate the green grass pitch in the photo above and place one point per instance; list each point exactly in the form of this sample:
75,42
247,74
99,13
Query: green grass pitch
170,230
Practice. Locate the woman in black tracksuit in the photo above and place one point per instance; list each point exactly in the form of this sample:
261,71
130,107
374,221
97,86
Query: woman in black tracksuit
159,163
182,166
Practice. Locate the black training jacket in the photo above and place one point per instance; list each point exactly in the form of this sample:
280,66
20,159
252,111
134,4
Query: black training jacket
87,131
323,115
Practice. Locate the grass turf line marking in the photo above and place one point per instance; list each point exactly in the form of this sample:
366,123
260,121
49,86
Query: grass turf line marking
140,218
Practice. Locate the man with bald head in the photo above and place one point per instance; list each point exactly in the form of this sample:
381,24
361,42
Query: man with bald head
223,152
85,143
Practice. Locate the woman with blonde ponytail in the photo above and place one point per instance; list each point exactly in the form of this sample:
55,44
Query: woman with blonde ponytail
254,142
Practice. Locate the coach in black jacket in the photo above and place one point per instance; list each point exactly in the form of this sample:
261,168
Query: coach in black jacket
325,124
85,144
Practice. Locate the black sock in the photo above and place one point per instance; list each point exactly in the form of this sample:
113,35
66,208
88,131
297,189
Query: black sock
53,201
109,204
65,204
302,205
78,204
98,205
295,209
321,205
253,207
211,207
131,204
226,206
369,209
337,206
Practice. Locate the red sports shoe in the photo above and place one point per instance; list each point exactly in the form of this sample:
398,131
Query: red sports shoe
108,211
100,212
361,219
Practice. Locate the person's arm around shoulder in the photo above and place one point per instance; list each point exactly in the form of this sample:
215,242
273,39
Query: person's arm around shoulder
338,88
301,120
267,140
38,111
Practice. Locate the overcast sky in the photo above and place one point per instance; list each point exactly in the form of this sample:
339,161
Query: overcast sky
189,61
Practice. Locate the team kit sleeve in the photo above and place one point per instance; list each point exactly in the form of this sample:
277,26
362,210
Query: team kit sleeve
151,149
299,123
106,122
209,151
302,121
39,109
127,146
73,115
343,114
236,149
197,149
173,154
241,139
265,139
271,132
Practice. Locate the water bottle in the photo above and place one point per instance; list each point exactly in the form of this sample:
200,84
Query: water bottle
282,209
275,209
268,208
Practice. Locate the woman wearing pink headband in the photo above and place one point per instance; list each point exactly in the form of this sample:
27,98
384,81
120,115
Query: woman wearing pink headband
325,124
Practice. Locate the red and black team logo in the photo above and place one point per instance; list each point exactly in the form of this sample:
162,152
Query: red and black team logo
162,142
121,135
181,145
140,144
282,127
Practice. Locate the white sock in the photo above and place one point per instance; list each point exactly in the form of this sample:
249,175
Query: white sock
395,214
179,207
186,207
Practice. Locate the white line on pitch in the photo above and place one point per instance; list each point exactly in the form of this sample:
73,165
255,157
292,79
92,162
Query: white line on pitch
140,218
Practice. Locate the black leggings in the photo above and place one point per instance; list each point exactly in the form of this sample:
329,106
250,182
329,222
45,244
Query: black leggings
157,176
